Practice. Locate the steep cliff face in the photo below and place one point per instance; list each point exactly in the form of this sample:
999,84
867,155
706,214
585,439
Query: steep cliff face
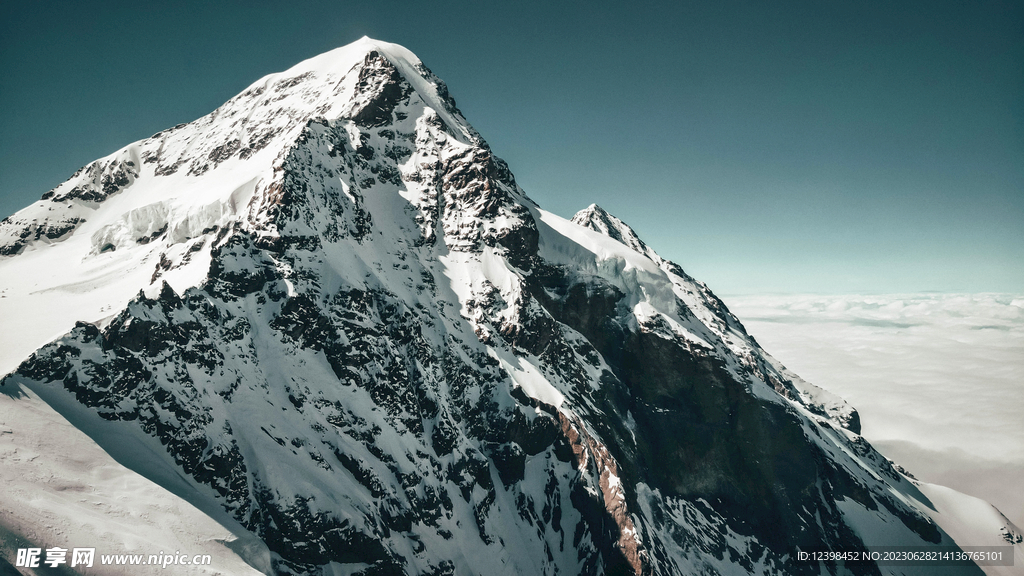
330,314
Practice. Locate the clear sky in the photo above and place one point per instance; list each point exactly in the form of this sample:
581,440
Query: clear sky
817,146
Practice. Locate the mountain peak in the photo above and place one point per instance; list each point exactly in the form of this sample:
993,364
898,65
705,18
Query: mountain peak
343,58
600,220
330,84
370,111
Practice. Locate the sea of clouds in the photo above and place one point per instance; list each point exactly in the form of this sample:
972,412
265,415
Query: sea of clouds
938,379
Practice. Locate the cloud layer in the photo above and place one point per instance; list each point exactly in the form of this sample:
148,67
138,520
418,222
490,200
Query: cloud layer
938,379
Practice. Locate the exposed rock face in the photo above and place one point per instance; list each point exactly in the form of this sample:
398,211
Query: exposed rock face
395,363
17,233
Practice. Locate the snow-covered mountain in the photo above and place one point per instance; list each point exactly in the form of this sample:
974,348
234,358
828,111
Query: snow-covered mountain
326,316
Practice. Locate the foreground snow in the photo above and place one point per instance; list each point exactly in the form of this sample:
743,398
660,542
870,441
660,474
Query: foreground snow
61,490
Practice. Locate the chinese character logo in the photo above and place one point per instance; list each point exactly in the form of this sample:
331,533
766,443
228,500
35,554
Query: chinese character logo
82,557
56,556
28,557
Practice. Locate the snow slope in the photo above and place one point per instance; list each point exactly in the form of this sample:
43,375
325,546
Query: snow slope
62,490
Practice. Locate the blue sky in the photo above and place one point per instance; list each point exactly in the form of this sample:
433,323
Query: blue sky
798,147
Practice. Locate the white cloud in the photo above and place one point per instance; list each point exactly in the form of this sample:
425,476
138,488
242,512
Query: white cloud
938,379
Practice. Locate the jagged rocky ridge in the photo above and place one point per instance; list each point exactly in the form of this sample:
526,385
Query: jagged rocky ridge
360,340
